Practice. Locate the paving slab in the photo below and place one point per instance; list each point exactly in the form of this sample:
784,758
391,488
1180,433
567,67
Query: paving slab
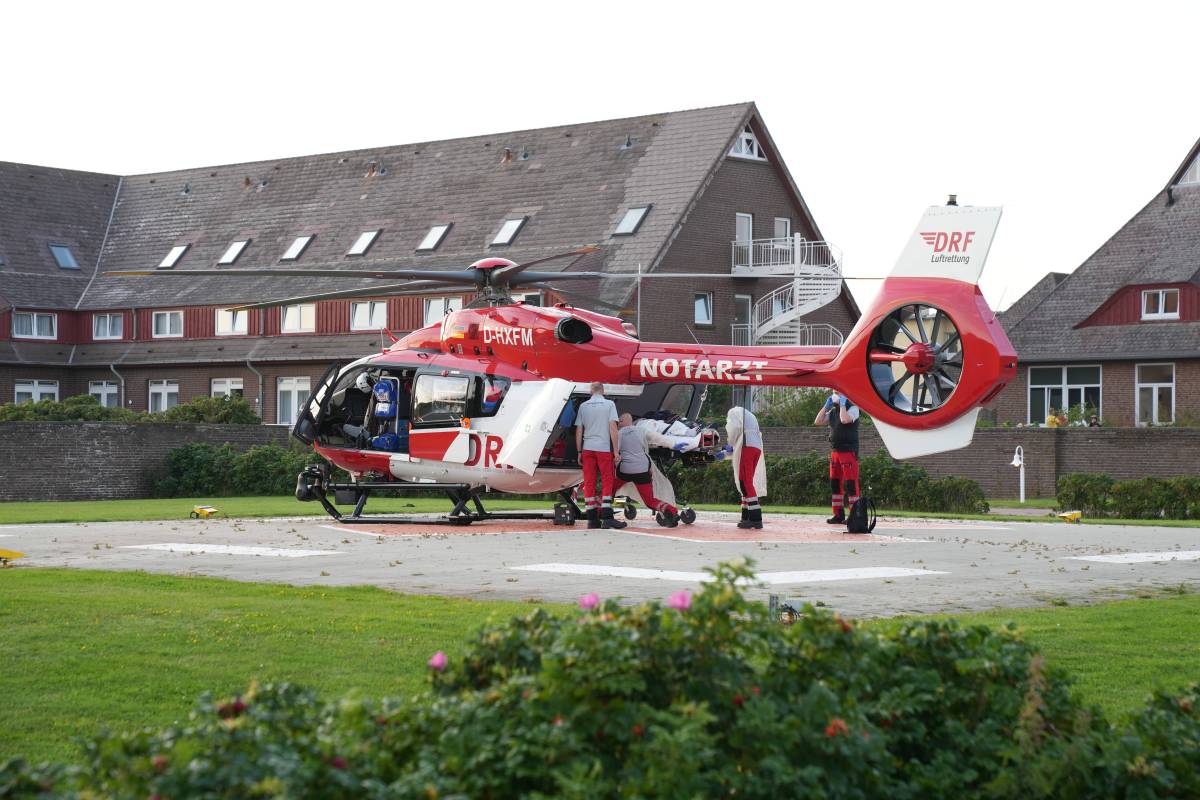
905,566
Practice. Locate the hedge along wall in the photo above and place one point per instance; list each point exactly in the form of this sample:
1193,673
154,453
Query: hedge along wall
1050,453
102,460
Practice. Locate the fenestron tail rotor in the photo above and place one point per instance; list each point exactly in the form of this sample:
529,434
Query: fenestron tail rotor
915,358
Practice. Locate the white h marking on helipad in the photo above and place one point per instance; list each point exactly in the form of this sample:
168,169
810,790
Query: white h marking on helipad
795,576
1141,558
229,550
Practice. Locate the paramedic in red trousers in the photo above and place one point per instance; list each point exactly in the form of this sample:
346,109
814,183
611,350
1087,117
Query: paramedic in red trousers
842,416
597,441
637,468
749,467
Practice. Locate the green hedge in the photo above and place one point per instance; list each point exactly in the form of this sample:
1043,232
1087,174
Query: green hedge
707,697
85,408
206,470
1144,498
804,481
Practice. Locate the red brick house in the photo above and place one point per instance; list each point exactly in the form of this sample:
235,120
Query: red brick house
1120,334
702,191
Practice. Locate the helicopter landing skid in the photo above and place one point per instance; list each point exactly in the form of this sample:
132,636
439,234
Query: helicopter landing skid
468,506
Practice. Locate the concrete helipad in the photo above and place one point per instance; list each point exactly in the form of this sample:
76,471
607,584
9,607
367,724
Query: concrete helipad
906,566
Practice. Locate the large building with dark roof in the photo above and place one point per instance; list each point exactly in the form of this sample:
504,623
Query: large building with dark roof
1120,335
702,191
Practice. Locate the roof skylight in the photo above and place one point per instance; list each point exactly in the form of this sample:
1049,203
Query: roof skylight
233,251
64,257
509,230
434,237
296,248
173,257
631,221
362,243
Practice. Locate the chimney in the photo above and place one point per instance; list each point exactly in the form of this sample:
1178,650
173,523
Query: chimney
953,200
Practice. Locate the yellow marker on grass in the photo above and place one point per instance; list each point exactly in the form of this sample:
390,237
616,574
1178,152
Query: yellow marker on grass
8,556
202,512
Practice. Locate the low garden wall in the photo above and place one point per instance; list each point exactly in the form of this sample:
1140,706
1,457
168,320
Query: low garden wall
103,460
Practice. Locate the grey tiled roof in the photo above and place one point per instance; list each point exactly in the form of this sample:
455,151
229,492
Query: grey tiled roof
40,206
1029,301
1161,244
574,182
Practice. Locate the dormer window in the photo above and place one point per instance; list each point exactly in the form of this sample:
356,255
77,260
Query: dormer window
64,257
509,230
434,237
296,248
1160,304
233,251
363,243
1192,174
172,258
747,146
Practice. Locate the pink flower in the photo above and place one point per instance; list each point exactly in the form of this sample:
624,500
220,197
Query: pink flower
438,661
681,600
589,601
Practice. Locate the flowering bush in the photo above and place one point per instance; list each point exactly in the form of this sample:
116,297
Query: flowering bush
708,697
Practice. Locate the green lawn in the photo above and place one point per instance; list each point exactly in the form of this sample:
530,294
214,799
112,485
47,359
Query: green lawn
81,649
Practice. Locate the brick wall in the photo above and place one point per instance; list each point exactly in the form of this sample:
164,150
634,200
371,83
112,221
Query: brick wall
1050,453
102,460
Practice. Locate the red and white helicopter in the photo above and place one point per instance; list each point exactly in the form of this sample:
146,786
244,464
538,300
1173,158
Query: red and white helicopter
483,401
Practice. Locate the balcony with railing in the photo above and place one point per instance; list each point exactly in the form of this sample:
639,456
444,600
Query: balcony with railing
790,256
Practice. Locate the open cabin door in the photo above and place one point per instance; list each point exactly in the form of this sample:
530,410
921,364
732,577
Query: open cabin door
534,420
306,426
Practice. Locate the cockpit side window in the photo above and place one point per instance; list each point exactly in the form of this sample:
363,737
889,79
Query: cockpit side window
492,389
440,399
679,399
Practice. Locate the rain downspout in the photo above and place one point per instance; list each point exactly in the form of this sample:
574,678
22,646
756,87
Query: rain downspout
260,387
121,378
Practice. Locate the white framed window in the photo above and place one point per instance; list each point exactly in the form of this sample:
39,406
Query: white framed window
107,392
64,257
297,248
434,237
783,228
172,257
164,394
291,393
509,230
34,325
368,315
1154,397
1060,389
703,304
167,324
227,387
632,220
233,251
363,243
436,308
1160,304
743,227
32,391
299,318
232,323
108,326
747,146
1192,173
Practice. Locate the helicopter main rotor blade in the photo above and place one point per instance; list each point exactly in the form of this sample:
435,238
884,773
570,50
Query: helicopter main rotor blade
420,287
464,276
501,275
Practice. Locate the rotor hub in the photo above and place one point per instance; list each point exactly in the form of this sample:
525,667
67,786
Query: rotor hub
919,358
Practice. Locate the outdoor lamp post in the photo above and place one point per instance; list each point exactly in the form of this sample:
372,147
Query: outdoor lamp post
1019,462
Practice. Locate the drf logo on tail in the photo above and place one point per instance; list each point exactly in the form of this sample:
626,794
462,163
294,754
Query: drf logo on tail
954,242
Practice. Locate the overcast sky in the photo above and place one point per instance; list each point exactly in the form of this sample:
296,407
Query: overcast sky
1068,115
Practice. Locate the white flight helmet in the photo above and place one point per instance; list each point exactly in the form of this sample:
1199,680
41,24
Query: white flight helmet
364,382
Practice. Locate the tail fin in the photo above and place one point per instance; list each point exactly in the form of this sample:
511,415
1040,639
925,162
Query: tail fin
949,243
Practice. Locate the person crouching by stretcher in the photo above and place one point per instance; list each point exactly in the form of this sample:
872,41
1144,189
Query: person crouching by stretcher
635,467
745,444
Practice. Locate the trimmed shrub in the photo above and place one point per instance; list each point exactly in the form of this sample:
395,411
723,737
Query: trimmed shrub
204,470
1084,492
708,697
1143,498
85,408
213,410
804,481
